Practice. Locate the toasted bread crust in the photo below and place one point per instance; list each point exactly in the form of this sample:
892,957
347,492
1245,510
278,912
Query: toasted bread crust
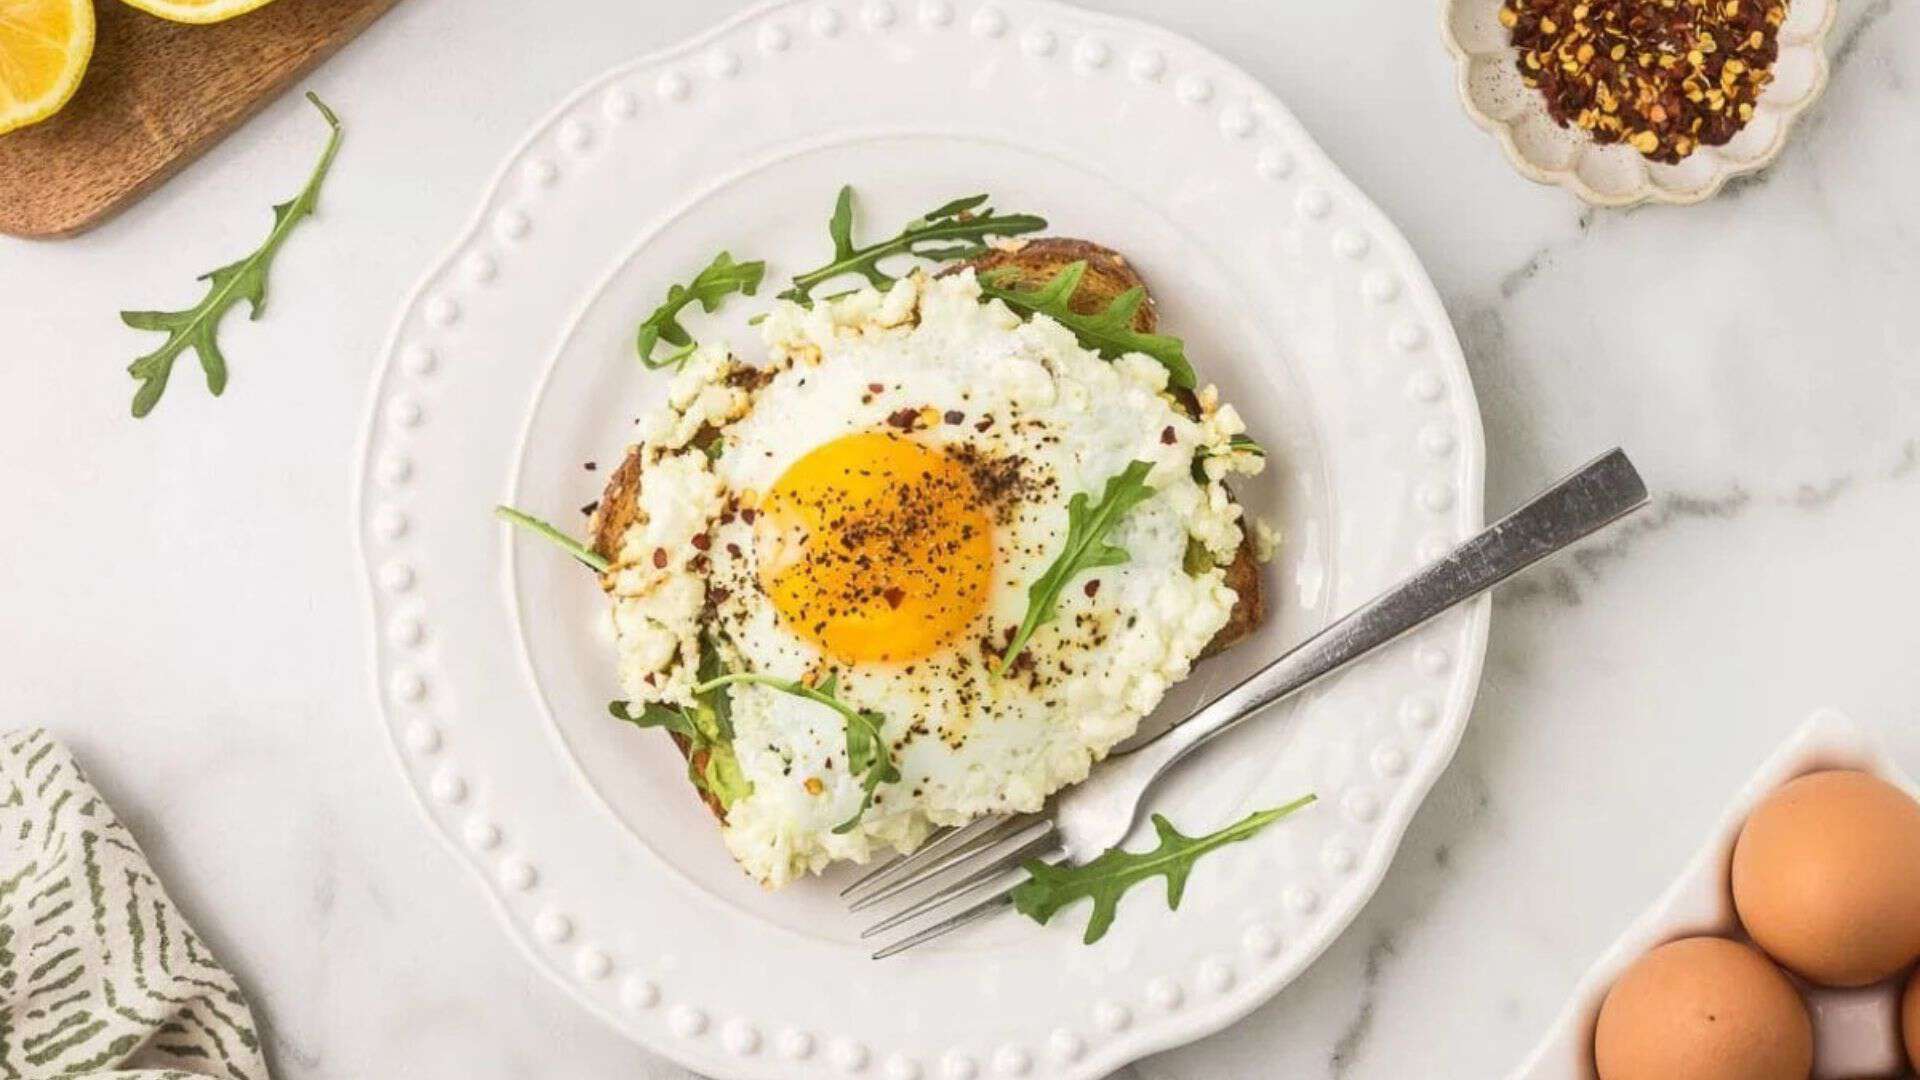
1035,263
1250,604
619,506
697,764
616,512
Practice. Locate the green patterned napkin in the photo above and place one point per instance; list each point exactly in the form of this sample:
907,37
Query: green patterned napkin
100,977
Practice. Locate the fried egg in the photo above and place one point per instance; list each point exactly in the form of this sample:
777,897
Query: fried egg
872,506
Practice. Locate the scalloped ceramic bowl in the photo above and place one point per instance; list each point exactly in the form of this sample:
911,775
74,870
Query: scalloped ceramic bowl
1856,1033
1618,175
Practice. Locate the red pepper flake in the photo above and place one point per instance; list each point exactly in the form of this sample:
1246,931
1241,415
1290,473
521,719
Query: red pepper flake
903,418
1092,588
1665,78
733,549
984,424
954,416
659,558
1167,436
875,388
748,513
894,595
702,541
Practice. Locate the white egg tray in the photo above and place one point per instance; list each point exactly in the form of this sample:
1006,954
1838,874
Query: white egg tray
1856,1033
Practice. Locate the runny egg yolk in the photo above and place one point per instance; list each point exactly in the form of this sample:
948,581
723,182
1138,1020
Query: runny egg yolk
875,548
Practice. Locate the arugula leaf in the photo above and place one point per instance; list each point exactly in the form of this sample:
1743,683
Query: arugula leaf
197,327
654,714
956,230
566,543
707,726
1110,333
722,278
1087,549
867,753
1242,443
1049,888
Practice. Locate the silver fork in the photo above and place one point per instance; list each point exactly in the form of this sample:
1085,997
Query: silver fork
981,861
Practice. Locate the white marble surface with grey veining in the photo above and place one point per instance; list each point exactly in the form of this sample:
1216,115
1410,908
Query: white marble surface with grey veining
179,599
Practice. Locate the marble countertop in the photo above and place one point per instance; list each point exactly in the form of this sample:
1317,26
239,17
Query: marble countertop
181,606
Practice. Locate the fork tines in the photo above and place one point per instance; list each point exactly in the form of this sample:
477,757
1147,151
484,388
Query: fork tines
941,840
978,863
937,856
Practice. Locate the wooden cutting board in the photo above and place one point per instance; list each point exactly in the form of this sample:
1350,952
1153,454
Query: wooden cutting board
157,94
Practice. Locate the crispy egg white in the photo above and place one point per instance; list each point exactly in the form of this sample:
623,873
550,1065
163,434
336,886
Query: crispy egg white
873,506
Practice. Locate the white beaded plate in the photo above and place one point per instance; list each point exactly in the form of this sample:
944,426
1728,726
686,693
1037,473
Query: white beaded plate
512,365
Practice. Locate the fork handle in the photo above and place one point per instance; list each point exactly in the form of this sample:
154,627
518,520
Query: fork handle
1605,490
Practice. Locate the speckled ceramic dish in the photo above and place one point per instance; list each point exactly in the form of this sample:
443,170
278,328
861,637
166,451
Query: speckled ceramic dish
513,364
1618,175
1856,1032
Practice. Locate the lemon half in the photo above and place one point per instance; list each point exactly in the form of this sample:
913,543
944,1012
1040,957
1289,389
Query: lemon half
196,11
44,48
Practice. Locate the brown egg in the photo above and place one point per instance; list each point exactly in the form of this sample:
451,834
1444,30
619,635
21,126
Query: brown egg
1703,1008
1910,1019
1826,877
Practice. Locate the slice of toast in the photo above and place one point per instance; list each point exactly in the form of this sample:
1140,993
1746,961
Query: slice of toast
618,508
1034,263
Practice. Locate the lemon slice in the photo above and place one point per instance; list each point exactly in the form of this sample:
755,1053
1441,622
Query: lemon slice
44,48
196,11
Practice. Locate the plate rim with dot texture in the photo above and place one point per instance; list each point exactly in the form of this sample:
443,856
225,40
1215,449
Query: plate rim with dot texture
606,912
1646,181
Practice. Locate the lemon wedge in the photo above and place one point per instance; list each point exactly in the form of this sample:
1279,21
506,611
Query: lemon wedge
44,48
196,11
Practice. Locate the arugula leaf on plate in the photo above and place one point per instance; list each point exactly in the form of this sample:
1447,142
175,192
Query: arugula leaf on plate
561,540
1110,333
1049,888
722,278
955,230
867,753
1086,549
197,327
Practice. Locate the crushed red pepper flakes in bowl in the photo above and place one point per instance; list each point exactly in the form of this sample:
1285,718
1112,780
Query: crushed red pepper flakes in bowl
1663,76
